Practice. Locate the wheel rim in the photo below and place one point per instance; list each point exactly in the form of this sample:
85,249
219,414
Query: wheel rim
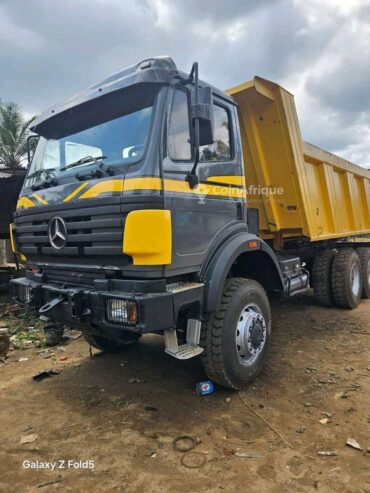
251,334
356,279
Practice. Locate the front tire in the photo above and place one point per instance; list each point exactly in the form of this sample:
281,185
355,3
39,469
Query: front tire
110,345
236,337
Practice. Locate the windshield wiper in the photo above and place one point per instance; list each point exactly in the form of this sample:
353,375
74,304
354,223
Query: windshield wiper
39,172
49,181
83,160
102,169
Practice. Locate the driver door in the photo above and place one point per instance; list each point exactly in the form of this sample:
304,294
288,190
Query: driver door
199,214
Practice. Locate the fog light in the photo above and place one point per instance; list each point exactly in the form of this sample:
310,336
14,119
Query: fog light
121,311
24,293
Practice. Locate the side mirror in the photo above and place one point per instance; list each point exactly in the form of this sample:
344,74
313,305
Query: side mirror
202,120
202,110
32,141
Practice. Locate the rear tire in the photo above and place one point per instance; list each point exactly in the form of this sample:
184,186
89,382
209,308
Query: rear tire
364,256
322,277
346,279
236,337
110,345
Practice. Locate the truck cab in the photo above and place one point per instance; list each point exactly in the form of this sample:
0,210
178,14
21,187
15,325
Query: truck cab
127,145
133,219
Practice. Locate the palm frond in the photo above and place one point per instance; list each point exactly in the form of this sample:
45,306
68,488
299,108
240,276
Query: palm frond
14,130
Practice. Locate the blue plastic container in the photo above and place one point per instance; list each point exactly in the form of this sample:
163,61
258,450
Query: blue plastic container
204,388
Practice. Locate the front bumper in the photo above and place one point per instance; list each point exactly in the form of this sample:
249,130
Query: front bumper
157,308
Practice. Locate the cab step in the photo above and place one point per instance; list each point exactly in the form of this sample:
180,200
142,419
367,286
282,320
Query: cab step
185,351
188,350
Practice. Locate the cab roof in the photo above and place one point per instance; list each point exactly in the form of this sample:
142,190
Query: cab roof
156,70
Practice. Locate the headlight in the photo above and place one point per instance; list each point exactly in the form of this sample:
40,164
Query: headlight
121,311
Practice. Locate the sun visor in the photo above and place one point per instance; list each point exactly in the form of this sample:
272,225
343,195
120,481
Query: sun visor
98,110
81,106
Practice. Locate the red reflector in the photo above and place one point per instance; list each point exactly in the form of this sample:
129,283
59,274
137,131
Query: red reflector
252,244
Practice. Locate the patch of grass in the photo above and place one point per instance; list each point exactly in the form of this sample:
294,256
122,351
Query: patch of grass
24,326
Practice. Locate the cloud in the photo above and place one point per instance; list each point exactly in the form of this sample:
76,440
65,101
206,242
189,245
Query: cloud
318,50
332,92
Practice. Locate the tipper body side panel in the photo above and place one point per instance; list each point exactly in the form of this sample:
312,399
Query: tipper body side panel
298,189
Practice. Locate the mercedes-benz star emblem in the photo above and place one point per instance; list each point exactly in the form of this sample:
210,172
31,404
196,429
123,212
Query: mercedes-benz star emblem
57,233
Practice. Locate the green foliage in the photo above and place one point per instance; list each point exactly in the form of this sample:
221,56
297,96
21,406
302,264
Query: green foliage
215,152
13,135
24,327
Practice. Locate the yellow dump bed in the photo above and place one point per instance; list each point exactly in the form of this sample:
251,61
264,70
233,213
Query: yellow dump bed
299,189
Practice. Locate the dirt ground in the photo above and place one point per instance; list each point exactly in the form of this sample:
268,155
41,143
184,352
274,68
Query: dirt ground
124,411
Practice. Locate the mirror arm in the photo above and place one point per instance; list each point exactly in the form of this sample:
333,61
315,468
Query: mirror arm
28,149
192,178
180,81
29,138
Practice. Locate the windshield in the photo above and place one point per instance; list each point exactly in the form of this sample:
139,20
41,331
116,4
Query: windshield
119,140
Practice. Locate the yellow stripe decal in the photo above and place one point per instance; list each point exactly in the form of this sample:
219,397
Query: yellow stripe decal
107,186
25,202
203,189
145,183
153,183
224,189
40,199
228,180
75,192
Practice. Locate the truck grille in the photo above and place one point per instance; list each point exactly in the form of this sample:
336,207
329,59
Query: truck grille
90,232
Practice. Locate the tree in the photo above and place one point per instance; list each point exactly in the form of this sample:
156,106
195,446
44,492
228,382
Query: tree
13,135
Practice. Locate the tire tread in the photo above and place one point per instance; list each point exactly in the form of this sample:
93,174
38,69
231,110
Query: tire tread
339,280
322,277
363,254
211,333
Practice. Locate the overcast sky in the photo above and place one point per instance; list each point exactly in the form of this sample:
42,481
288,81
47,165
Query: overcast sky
318,49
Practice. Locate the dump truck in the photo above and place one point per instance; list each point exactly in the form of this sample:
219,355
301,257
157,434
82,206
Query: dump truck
157,203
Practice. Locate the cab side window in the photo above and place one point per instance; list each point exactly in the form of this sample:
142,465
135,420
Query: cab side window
179,146
220,150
